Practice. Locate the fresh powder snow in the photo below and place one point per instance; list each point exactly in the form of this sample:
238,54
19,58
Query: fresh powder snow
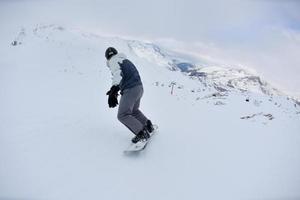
224,133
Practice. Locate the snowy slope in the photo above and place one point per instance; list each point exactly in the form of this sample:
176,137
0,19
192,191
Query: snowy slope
223,133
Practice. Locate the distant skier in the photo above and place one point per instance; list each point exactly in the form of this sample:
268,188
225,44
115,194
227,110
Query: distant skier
126,78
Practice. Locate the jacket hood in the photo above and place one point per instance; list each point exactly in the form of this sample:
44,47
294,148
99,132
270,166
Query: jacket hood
116,59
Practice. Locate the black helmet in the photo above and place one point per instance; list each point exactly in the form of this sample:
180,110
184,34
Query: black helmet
110,51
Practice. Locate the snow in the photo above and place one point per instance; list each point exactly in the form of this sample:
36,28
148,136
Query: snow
59,140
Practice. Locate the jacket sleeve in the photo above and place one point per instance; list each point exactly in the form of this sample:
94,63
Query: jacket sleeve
116,72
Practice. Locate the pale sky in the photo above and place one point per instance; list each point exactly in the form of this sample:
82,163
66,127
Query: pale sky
260,34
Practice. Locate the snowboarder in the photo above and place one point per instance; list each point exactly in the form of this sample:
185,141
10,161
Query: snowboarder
126,79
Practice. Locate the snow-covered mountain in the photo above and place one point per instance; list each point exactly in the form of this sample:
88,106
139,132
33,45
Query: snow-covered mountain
224,133
221,78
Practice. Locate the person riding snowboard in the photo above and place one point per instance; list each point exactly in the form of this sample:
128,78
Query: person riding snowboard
126,79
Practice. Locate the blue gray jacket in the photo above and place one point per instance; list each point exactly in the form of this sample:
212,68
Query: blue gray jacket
123,71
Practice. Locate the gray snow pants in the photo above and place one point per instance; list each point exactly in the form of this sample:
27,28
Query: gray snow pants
129,113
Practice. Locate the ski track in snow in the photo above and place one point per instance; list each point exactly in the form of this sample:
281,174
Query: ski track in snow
59,140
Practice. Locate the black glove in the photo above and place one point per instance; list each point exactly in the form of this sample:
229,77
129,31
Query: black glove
113,96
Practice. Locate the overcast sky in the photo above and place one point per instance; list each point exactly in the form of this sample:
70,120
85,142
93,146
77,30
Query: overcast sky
260,34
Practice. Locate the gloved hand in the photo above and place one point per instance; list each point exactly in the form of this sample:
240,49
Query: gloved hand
113,96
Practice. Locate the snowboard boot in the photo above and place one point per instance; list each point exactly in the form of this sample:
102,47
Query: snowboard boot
149,126
142,135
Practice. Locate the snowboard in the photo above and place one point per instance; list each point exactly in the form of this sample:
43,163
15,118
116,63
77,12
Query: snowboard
141,145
